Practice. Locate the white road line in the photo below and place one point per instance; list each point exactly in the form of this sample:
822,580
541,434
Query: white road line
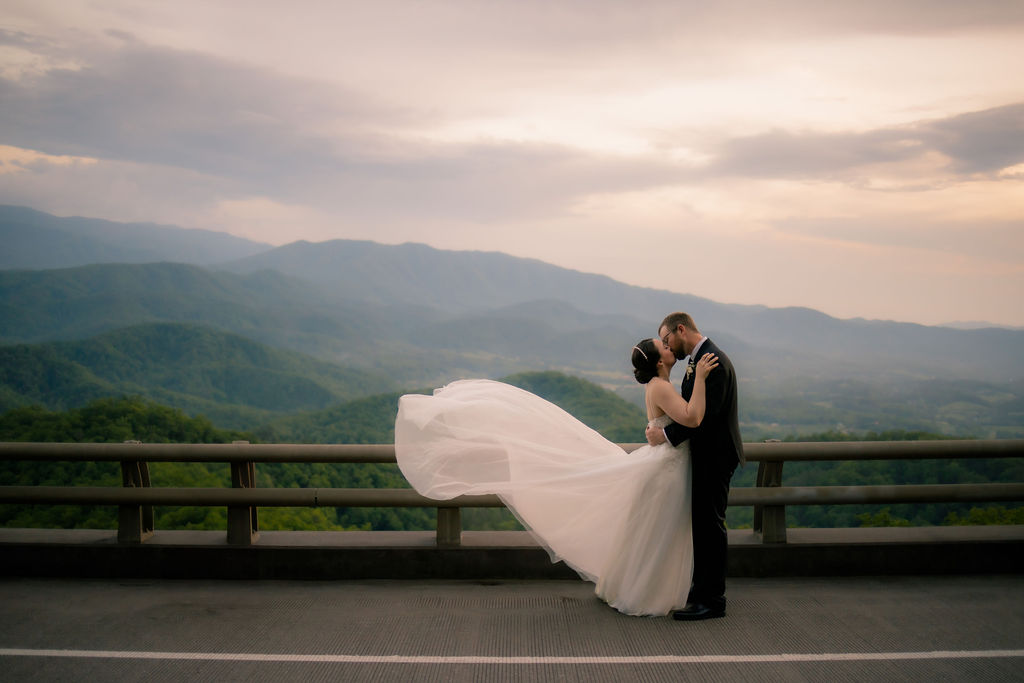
403,659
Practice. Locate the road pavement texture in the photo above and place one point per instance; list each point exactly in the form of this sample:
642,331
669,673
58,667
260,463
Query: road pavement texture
965,628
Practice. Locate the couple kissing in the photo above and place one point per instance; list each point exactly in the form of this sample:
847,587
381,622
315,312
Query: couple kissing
647,527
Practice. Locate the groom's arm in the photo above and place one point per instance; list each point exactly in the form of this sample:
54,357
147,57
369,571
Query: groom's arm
677,433
674,433
714,406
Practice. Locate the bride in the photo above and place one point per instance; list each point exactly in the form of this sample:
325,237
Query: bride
621,520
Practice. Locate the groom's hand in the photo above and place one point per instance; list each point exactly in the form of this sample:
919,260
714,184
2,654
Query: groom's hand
655,435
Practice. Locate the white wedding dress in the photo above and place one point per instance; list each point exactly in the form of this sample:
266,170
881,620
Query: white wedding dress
621,520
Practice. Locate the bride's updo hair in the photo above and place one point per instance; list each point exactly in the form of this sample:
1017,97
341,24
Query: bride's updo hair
645,361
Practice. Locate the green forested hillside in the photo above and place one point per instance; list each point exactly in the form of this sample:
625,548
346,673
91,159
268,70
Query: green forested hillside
231,379
961,408
372,419
112,420
616,419
364,420
74,303
266,306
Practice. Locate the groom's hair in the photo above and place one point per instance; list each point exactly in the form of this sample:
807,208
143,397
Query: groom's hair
674,320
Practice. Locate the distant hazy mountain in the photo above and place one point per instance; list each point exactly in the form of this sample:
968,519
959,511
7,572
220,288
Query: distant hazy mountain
415,345
425,316
499,300
456,281
977,325
190,367
33,239
410,344
74,303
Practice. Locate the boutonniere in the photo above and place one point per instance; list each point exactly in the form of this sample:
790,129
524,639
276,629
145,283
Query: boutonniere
689,370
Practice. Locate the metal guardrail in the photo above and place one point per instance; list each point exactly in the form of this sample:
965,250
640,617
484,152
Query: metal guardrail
135,500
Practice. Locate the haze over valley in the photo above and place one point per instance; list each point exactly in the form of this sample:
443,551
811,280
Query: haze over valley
264,332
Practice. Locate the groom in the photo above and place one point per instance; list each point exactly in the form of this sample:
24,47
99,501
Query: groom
715,450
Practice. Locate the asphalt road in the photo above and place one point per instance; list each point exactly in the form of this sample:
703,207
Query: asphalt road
964,628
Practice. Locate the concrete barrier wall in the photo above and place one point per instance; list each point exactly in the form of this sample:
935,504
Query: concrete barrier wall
488,555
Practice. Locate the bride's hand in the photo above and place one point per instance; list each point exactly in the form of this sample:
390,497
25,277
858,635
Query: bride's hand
706,364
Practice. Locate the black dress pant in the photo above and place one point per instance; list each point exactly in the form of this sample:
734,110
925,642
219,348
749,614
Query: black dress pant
710,540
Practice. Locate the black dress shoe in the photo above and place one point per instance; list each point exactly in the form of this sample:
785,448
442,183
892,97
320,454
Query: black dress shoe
696,611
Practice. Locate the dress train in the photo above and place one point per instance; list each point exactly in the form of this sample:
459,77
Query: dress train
621,520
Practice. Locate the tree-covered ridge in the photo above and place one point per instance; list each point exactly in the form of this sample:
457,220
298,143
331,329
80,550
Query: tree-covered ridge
615,419
112,420
265,306
372,419
243,384
75,303
198,369
852,407
363,420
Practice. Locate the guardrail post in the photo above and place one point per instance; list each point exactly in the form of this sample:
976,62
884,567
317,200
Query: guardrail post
243,521
449,527
770,520
134,522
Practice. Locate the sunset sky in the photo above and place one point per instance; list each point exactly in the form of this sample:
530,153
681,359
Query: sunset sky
865,159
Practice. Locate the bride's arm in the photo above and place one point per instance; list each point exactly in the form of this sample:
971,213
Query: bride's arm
687,413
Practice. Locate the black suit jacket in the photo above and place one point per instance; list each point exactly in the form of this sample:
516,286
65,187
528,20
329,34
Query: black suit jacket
719,432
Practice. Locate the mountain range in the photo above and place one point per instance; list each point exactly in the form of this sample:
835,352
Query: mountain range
97,301
33,239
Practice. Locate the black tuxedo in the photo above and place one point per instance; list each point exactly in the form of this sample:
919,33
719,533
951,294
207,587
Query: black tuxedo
716,448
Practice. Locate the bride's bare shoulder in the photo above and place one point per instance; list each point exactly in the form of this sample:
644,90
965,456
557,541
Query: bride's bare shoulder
658,382
658,387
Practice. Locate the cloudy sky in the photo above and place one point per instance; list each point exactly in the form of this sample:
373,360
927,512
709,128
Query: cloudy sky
861,158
